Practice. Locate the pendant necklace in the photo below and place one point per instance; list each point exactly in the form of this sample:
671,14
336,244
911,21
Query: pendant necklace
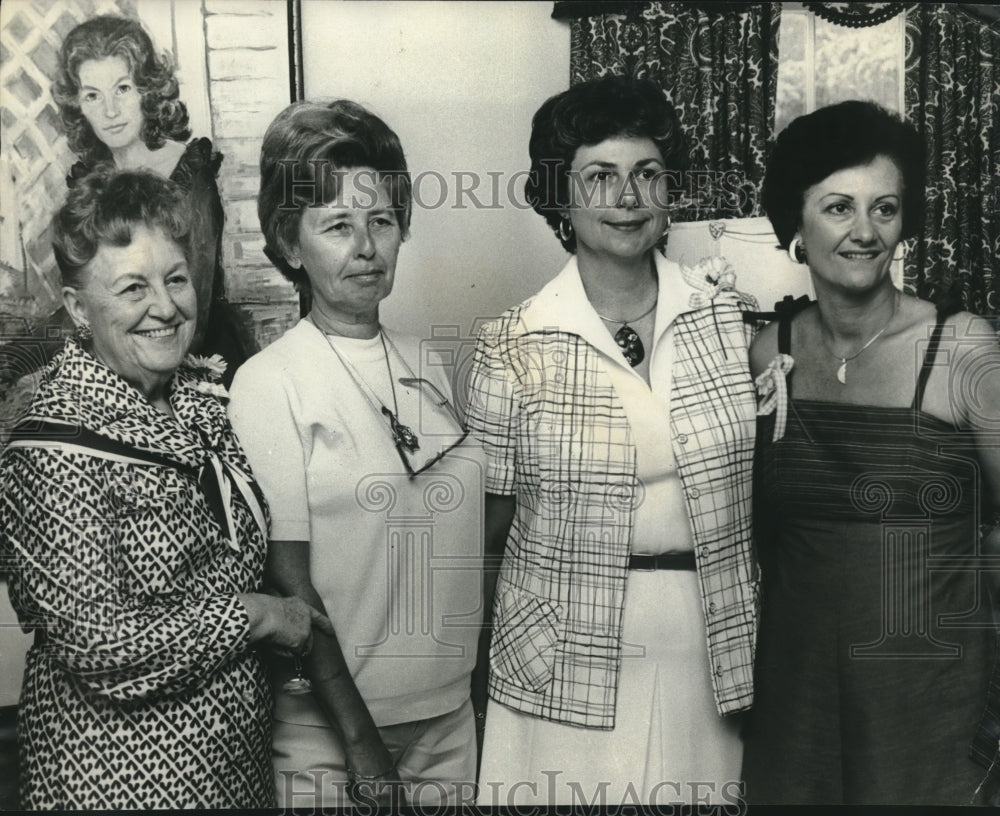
628,339
842,368
402,435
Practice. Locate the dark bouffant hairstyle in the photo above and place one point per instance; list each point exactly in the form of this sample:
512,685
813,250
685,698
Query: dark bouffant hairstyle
587,114
311,141
105,207
848,134
165,116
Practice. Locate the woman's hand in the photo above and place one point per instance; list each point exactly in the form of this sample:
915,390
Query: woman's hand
384,790
285,623
371,769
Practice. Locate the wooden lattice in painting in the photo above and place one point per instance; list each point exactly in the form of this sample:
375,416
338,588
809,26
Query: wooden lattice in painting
34,159
34,156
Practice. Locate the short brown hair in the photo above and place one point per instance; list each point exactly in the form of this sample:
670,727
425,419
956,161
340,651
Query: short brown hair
103,209
307,138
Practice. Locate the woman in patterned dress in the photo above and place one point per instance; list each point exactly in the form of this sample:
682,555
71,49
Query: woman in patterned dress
118,102
134,536
617,414
878,460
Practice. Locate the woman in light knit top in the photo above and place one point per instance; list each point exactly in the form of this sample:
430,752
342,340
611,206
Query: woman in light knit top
374,491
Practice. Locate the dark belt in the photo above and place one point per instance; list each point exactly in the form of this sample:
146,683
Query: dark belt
663,561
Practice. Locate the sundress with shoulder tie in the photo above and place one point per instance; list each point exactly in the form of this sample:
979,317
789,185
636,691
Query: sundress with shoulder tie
875,641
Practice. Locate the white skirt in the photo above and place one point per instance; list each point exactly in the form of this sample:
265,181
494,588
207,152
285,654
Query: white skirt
669,744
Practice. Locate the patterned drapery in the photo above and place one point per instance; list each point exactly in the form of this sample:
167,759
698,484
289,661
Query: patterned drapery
719,69
953,97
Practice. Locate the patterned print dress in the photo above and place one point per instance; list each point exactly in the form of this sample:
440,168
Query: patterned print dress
140,690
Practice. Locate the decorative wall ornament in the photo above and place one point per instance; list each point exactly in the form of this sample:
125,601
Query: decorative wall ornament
856,15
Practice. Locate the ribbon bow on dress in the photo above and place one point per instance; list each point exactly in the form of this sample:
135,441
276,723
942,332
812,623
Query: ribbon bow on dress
217,478
772,389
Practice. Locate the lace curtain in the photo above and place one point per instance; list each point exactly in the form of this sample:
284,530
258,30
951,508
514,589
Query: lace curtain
718,66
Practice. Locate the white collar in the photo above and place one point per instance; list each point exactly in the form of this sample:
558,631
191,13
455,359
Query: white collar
562,304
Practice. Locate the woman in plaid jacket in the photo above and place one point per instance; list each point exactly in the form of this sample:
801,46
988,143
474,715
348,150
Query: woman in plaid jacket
617,413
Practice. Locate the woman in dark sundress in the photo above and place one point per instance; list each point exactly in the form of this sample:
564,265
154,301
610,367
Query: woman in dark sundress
118,101
876,487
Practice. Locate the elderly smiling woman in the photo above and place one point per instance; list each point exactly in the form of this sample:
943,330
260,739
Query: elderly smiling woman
135,536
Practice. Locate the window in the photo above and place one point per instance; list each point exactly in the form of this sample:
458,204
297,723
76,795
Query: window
820,63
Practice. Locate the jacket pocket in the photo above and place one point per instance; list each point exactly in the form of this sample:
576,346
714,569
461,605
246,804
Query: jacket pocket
525,633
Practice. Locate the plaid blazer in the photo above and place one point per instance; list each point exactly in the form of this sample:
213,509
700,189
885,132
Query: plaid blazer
558,439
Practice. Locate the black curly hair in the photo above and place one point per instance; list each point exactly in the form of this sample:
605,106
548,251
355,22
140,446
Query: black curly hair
587,114
848,134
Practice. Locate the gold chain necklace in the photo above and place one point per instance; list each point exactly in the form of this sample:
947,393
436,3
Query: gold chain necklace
842,368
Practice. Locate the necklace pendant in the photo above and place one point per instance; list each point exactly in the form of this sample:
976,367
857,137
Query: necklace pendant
630,344
403,436
842,372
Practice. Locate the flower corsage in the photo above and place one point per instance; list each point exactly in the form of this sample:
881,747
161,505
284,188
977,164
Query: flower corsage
209,371
710,277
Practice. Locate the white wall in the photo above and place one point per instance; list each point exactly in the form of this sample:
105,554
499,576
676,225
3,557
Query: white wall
459,82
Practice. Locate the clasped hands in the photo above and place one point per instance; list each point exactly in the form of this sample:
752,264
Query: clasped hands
294,635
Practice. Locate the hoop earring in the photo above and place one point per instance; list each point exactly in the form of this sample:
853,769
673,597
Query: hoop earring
661,242
84,334
565,230
796,252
